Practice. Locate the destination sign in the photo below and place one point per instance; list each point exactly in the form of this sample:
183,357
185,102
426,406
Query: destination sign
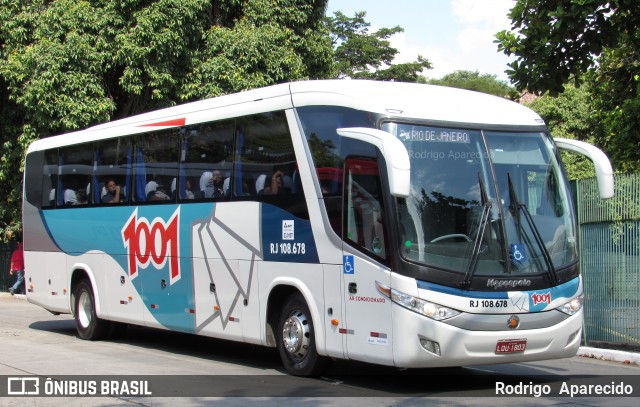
437,136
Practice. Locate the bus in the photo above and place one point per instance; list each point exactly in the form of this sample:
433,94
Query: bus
398,224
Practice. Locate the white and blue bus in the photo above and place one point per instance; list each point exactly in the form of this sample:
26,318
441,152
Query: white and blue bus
398,224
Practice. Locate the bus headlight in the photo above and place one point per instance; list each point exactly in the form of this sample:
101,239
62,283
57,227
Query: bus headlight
572,306
426,308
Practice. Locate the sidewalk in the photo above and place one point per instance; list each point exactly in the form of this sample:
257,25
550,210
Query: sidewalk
629,358
17,296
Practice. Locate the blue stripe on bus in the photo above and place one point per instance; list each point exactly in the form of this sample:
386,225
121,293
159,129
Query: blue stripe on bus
100,229
538,300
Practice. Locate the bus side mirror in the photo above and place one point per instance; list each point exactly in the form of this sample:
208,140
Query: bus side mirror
604,172
394,152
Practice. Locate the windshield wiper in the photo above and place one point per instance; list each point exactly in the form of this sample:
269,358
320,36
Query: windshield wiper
516,207
477,242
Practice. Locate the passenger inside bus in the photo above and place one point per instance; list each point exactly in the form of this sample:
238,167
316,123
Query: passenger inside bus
154,192
70,197
112,192
211,184
260,184
81,196
278,184
186,192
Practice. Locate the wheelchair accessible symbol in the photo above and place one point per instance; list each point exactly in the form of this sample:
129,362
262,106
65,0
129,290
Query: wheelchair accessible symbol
517,252
347,262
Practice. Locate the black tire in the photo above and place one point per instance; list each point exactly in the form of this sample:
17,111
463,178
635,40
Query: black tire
296,339
88,325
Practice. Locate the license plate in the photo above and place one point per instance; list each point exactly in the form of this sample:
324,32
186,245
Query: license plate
511,346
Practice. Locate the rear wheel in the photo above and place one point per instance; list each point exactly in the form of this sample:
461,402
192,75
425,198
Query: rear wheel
296,339
88,325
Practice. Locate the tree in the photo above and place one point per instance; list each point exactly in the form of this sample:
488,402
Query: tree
555,42
361,54
615,92
595,41
471,80
69,64
570,115
270,44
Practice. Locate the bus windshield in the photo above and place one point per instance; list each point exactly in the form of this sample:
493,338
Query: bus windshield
485,202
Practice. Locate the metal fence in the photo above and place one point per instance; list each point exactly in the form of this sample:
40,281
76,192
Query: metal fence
609,233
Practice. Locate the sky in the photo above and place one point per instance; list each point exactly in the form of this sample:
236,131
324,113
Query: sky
451,34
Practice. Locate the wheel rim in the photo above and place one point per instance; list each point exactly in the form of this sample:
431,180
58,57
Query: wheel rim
296,334
85,308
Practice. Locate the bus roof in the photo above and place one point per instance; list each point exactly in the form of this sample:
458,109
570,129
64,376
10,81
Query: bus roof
393,99
416,101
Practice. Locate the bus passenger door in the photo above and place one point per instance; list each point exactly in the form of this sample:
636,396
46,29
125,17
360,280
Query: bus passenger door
368,312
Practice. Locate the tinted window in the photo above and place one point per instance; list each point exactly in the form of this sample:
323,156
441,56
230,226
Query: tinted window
76,167
266,169
50,179
113,169
249,158
328,149
155,166
364,209
206,161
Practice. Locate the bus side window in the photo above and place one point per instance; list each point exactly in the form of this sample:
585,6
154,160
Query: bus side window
364,210
113,166
206,160
76,169
50,178
267,161
155,165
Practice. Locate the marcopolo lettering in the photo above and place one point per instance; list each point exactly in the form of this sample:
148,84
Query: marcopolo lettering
493,283
152,242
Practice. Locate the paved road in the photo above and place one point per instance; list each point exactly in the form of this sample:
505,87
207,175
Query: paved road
34,342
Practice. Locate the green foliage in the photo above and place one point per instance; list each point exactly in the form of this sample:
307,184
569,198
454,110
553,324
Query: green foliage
361,54
55,70
66,64
70,64
592,41
485,83
555,42
616,100
259,51
570,115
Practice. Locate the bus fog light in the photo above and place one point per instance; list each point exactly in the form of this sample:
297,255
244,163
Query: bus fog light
430,346
573,336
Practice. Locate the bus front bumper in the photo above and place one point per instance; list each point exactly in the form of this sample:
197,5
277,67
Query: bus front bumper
421,342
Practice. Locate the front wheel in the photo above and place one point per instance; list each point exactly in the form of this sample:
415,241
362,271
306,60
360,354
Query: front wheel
88,325
296,339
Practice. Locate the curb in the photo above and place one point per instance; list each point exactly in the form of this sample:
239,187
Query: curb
16,296
628,358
